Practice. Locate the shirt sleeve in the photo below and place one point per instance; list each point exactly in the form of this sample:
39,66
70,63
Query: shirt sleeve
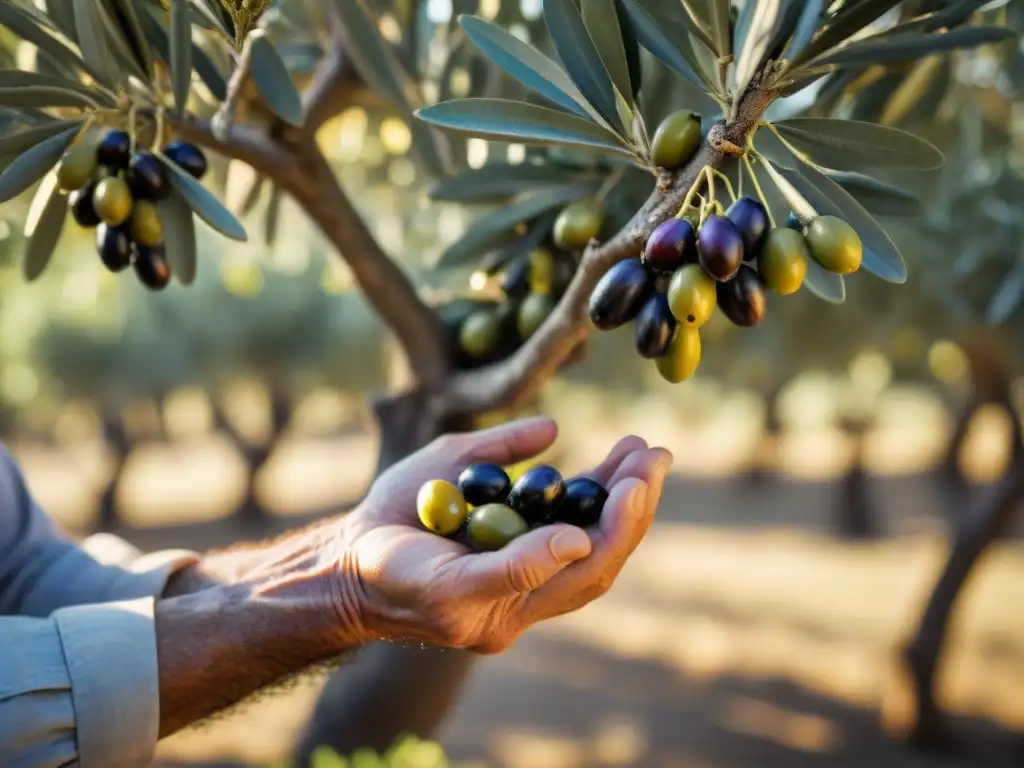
80,687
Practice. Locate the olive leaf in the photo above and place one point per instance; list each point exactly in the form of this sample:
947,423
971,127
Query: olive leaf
377,63
505,120
214,16
274,81
11,78
181,52
853,144
33,164
208,71
60,14
742,26
666,39
878,197
15,143
179,228
92,40
535,236
911,46
881,256
25,27
580,57
272,215
1007,298
494,229
718,18
496,181
807,24
631,46
529,66
44,96
602,24
953,15
203,203
851,19
764,23
131,28
43,227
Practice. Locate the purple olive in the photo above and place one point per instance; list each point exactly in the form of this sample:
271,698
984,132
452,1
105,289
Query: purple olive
671,245
751,219
620,294
720,247
742,299
654,327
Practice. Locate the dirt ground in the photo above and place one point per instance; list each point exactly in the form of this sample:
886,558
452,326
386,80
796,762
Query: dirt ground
743,634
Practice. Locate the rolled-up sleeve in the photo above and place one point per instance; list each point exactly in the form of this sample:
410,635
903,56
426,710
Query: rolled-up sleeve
78,664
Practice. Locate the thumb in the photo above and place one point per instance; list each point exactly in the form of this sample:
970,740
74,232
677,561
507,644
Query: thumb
526,563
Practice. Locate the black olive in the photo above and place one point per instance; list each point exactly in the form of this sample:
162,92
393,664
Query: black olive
188,157
115,150
537,495
114,245
583,503
146,177
484,484
151,267
82,209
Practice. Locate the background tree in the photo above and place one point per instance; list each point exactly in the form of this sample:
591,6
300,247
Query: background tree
254,82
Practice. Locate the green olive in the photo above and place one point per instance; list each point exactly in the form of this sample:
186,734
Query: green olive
676,139
479,333
578,224
834,244
683,356
492,526
441,507
76,167
533,312
146,228
542,271
112,201
692,295
782,263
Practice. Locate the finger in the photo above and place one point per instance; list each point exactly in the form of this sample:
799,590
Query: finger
506,444
525,564
627,516
604,471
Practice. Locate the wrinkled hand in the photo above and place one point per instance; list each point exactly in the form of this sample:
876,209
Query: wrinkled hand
411,584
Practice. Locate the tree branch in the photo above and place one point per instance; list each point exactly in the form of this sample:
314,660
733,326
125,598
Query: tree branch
514,380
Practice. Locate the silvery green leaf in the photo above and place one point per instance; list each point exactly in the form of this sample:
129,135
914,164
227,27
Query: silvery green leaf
179,228
203,203
43,227
181,52
32,164
273,80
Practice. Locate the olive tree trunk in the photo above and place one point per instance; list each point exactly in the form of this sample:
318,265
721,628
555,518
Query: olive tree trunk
855,515
921,656
115,434
391,689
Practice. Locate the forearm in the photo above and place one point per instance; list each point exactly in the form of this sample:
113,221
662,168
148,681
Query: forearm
222,643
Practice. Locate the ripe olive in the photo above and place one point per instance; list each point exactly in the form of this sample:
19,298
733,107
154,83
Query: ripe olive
188,157
82,209
578,224
683,356
584,501
676,139
654,327
146,176
77,167
479,333
145,225
114,245
783,262
151,267
672,244
619,295
441,507
834,244
537,493
112,201
533,311
751,219
720,247
492,526
542,271
742,299
691,295
516,282
114,150
484,484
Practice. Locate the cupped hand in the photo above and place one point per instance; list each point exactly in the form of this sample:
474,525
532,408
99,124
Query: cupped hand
407,583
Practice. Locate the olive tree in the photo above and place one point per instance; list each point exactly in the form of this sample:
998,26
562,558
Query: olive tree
254,81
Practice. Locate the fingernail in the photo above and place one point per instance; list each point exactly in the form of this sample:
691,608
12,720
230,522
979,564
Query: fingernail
570,545
664,460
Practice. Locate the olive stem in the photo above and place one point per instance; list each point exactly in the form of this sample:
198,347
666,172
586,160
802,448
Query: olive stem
727,183
132,126
757,188
709,174
690,195
159,132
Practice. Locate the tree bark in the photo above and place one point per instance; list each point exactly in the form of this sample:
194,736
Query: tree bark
856,519
391,689
980,527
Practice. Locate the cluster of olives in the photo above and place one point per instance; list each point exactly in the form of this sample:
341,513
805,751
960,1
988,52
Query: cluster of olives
728,261
493,511
483,331
116,190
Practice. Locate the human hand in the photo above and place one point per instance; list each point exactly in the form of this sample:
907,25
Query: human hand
401,582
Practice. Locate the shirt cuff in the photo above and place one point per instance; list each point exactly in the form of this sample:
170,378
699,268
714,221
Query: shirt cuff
149,572
110,651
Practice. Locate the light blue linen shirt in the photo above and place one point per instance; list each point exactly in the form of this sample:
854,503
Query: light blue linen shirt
78,665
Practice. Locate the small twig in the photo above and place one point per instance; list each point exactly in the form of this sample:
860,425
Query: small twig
225,115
